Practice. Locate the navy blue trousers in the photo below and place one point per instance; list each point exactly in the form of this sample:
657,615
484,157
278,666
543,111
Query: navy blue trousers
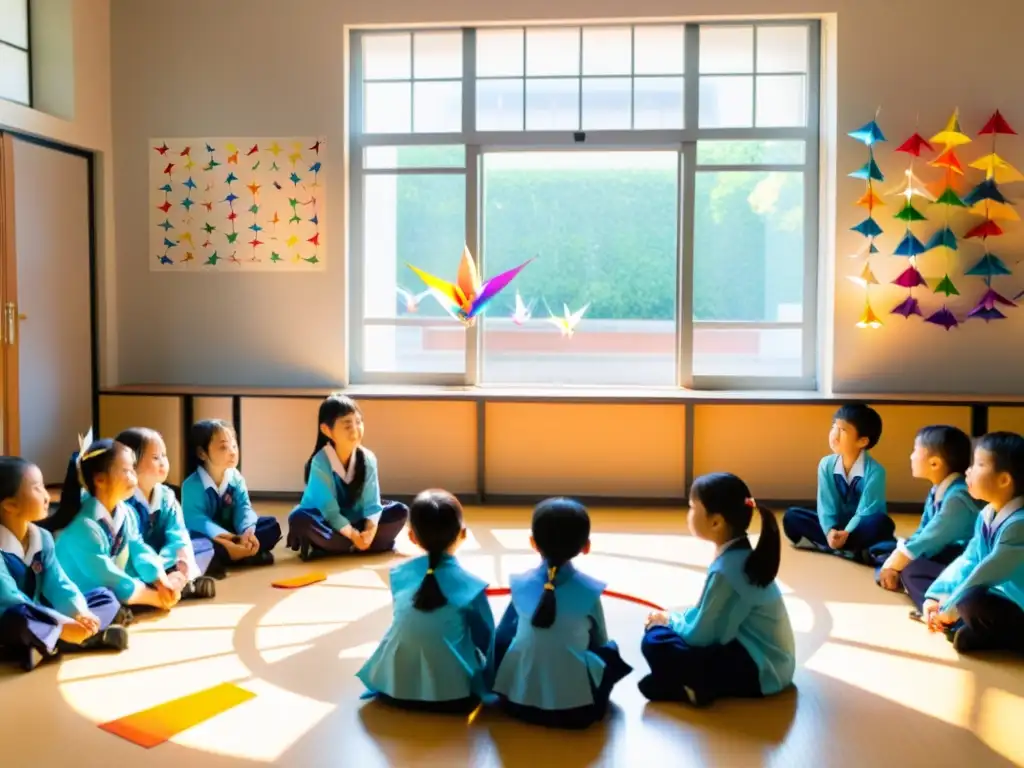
309,531
871,539
994,623
202,548
711,671
578,717
25,626
922,572
268,533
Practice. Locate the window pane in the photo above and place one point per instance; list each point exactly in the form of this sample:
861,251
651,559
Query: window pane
14,22
437,107
658,50
607,103
747,352
414,157
499,105
387,57
748,246
726,102
553,51
14,78
657,103
552,105
726,50
499,53
607,51
603,225
751,152
435,348
782,49
437,55
410,219
387,107
781,101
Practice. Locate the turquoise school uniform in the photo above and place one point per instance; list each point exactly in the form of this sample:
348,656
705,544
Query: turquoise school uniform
562,667
993,560
161,523
949,518
211,510
439,656
103,549
36,596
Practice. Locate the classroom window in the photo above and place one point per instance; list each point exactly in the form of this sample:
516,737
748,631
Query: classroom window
685,220
15,66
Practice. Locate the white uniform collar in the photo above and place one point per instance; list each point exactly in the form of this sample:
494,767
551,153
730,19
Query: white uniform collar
719,550
857,470
208,481
994,520
141,498
347,474
10,543
116,520
941,488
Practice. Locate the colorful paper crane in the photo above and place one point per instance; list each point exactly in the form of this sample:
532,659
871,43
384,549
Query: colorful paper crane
943,317
569,320
868,134
412,302
868,318
468,297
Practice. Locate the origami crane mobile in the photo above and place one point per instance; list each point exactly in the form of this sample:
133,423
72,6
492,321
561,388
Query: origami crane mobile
412,301
910,246
568,322
522,311
869,134
467,298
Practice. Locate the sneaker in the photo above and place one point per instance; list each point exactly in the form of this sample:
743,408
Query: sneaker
201,588
114,638
124,616
33,658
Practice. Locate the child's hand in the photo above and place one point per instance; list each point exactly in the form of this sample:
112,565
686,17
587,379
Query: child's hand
88,622
889,579
929,614
370,532
837,539
175,581
250,541
235,550
167,596
657,619
355,537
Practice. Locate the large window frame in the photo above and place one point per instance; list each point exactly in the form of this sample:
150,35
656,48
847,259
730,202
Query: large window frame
684,140
26,49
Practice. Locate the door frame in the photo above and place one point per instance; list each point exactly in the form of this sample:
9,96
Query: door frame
8,282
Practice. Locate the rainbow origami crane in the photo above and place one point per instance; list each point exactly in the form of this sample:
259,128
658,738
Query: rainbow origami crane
567,323
467,298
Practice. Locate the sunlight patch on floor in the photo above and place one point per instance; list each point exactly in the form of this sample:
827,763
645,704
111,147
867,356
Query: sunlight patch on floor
261,729
206,615
321,604
274,655
1000,715
936,690
146,650
361,652
861,623
268,638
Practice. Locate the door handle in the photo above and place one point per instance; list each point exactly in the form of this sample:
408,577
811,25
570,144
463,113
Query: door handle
10,323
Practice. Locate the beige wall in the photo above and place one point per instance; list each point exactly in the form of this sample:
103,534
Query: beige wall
297,86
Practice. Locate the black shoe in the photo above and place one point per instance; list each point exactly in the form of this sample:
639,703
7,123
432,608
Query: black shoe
263,557
33,658
200,588
966,640
916,615
113,638
124,616
217,571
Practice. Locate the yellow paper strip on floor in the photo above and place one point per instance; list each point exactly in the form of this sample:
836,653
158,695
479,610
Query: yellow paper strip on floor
154,726
300,581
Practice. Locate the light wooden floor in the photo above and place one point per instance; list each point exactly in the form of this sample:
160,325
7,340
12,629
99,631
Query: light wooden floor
872,686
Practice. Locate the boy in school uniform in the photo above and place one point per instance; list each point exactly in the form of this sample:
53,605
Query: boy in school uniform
942,454
978,600
850,518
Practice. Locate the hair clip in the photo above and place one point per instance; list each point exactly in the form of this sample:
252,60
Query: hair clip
550,586
430,571
750,503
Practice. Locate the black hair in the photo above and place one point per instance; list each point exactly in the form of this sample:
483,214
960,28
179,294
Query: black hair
864,419
98,459
12,475
138,439
561,529
1007,449
200,437
337,406
725,494
950,444
435,516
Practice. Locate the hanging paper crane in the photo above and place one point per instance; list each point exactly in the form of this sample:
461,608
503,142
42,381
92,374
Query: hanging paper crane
987,200
869,134
522,311
568,322
467,297
412,302
910,246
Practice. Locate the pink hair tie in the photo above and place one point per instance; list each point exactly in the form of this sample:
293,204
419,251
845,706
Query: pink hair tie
750,503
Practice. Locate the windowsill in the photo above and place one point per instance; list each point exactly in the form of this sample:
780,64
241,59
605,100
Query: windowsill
566,393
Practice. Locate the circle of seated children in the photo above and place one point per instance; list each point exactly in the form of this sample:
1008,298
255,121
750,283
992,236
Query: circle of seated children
123,542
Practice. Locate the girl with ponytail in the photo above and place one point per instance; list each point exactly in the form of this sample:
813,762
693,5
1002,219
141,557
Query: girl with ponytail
556,666
341,511
737,641
437,654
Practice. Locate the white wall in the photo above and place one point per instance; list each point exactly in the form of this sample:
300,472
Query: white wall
260,67
71,66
